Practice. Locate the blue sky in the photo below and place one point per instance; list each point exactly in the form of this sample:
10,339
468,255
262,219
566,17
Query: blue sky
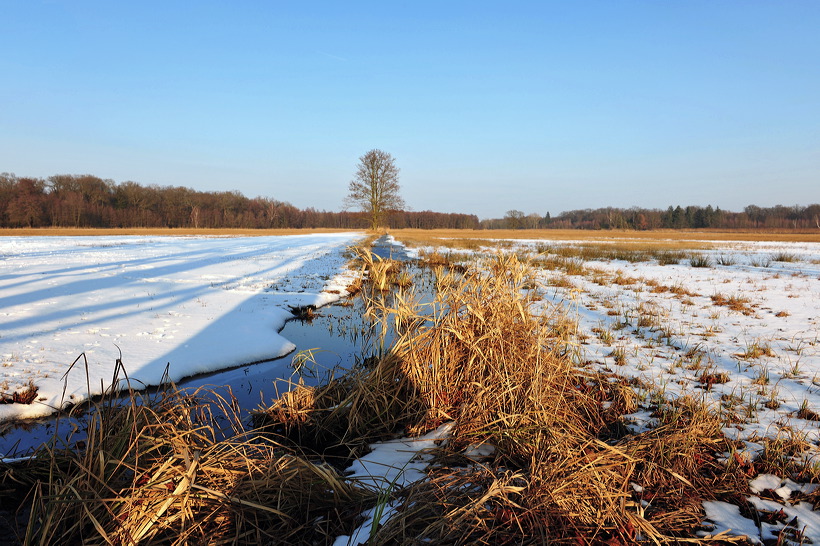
486,106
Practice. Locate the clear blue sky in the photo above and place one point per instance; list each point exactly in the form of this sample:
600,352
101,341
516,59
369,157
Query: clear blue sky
486,106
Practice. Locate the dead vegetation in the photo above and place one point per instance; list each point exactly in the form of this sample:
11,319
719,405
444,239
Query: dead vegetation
684,239
735,302
22,396
160,468
565,468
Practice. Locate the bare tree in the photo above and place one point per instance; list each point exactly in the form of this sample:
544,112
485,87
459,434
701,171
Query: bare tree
514,219
375,188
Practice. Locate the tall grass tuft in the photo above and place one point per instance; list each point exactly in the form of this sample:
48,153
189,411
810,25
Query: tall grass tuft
380,272
483,356
159,468
700,260
783,256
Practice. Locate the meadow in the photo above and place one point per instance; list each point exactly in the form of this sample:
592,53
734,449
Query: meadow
567,388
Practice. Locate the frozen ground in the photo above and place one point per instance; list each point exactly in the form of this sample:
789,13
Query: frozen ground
188,304
746,336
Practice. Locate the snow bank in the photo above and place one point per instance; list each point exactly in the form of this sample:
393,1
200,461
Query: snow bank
186,304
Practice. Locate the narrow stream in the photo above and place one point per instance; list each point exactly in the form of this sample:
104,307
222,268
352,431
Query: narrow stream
333,341
330,343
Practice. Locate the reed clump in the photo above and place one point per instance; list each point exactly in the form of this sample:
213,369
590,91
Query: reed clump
480,355
381,273
164,468
563,468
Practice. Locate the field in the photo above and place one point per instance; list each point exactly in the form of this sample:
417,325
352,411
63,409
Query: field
582,388
165,306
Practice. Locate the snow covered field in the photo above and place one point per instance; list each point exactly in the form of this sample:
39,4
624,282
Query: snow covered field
191,304
740,331
745,336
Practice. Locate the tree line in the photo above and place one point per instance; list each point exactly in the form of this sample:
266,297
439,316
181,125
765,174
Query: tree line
87,201
691,217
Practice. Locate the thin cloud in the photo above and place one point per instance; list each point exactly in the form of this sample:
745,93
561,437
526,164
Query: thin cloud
326,54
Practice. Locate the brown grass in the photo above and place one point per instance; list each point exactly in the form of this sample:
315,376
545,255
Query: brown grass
480,357
22,396
381,273
734,302
708,378
157,470
673,239
659,239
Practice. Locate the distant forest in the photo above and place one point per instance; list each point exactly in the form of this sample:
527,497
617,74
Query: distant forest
89,201
693,217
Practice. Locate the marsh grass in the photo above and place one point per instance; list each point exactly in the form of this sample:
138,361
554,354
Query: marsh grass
481,355
726,260
756,350
663,238
700,260
710,377
760,261
172,467
735,302
784,256
382,273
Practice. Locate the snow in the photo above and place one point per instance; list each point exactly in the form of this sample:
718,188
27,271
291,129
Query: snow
391,465
181,305
783,488
728,520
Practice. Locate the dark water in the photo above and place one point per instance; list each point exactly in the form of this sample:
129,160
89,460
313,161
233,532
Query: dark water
336,339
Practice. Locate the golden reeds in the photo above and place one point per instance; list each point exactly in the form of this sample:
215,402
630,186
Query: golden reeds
156,469
563,469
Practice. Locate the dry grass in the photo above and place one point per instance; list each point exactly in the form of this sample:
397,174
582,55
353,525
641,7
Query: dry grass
734,302
673,239
708,378
22,396
478,356
755,350
664,252
381,273
157,469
